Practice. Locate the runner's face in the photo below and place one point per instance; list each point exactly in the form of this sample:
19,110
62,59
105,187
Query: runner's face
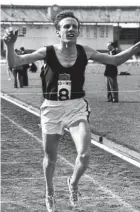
68,31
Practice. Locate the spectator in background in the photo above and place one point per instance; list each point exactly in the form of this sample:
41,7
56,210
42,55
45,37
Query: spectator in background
18,73
25,67
111,73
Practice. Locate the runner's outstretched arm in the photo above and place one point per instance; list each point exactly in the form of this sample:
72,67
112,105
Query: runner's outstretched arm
13,59
117,59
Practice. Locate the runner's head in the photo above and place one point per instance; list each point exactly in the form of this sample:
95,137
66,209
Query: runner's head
62,15
67,26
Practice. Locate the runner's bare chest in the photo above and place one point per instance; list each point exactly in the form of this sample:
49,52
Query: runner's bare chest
66,58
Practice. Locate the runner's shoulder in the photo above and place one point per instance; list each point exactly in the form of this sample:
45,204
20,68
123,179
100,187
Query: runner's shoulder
89,51
41,51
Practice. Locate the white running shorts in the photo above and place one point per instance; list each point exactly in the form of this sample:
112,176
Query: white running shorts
58,115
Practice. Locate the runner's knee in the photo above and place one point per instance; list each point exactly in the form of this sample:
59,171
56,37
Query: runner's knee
47,161
84,158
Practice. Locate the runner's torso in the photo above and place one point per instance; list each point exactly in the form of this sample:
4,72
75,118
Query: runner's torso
64,83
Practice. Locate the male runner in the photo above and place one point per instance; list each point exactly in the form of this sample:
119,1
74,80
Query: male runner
64,104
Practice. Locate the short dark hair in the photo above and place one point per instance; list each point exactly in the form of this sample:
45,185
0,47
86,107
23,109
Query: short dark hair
65,14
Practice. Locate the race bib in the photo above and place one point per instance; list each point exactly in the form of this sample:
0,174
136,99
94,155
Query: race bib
64,87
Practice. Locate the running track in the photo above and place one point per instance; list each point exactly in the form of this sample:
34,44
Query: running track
109,185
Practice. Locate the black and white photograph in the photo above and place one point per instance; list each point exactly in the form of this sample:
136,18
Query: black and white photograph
70,106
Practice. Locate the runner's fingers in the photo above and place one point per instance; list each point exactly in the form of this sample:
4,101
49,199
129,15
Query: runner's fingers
11,28
7,30
7,34
10,35
10,32
6,37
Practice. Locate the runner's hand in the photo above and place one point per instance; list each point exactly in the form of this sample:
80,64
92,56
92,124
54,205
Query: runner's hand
10,36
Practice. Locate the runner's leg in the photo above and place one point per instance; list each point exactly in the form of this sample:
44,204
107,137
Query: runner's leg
50,146
80,132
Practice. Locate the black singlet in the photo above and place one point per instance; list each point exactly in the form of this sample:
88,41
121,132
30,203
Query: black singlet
61,83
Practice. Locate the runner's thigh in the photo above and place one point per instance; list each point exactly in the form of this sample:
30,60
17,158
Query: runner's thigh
50,144
80,132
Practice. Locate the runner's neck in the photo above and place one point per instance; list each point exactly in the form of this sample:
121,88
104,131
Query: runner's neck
66,48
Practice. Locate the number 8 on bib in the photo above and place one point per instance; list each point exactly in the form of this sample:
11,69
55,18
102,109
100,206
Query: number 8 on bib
64,90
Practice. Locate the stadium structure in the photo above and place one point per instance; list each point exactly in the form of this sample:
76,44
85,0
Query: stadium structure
99,25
